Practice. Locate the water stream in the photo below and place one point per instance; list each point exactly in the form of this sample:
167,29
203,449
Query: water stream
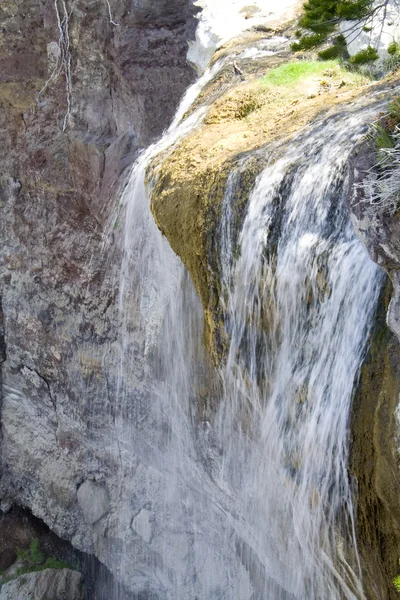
299,304
257,503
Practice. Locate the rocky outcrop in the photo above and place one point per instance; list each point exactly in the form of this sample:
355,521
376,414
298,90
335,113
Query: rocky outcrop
57,584
83,86
375,425
377,225
246,114
187,203
374,459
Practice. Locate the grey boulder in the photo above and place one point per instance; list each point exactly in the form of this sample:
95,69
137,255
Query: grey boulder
50,584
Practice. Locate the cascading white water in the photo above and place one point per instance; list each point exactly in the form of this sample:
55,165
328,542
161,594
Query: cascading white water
173,543
299,303
256,505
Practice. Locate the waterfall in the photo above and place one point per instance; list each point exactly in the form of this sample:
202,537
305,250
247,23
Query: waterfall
255,504
299,303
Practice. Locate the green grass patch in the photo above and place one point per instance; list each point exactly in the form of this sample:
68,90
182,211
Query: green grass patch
291,73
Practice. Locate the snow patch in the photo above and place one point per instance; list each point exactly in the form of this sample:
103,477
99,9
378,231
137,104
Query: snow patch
221,20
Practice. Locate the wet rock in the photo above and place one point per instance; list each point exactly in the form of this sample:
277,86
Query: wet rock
374,458
375,464
64,159
142,525
378,226
54,584
94,501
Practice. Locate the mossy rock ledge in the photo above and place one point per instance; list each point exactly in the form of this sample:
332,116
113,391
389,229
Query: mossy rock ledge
239,131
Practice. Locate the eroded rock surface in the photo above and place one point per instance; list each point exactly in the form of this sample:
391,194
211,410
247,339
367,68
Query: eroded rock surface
94,501
378,226
375,424
57,584
80,93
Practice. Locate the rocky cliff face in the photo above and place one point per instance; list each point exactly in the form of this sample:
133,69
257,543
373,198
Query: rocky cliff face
375,439
83,86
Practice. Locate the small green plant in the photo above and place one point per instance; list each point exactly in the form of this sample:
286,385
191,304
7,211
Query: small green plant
386,129
34,559
365,56
393,48
383,138
381,187
36,555
396,581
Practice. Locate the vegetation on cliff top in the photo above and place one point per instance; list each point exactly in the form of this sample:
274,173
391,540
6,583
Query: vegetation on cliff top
321,18
291,73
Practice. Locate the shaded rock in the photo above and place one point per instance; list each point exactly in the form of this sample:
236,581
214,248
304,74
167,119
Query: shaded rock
5,505
374,459
54,584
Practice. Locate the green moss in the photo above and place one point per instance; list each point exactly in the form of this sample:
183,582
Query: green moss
396,583
34,560
383,138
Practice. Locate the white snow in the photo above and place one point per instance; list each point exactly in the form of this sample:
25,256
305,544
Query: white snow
221,20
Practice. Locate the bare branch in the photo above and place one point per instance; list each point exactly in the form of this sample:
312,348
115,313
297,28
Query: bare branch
381,185
63,60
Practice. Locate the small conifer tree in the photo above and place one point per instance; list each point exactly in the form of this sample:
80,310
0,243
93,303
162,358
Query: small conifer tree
320,19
